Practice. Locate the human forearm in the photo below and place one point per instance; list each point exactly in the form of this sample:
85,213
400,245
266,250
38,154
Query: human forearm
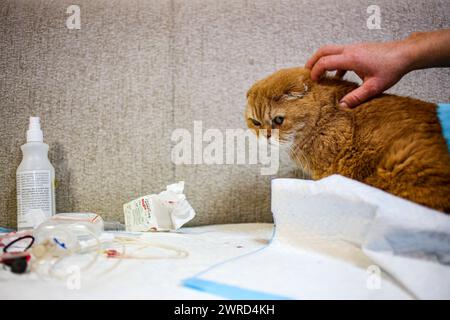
428,49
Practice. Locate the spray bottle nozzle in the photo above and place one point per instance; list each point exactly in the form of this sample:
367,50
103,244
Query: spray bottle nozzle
35,121
34,133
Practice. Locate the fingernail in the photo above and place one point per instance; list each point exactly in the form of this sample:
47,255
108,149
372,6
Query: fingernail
343,105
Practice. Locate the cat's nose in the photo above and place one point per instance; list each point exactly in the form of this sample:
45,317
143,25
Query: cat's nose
269,133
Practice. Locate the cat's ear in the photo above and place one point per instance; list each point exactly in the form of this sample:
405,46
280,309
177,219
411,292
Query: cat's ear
294,95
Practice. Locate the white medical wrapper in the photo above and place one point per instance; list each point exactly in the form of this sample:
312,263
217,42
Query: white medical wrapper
168,210
340,239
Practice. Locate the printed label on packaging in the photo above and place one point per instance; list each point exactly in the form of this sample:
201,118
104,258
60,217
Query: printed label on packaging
34,197
138,215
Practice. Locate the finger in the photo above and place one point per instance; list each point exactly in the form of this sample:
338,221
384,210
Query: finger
340,73
323,51
361,94
329,63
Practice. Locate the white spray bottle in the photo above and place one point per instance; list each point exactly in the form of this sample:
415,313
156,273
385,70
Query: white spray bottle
35,180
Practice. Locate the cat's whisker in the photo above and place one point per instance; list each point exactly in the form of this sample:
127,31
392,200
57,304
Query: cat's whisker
301,159
296,159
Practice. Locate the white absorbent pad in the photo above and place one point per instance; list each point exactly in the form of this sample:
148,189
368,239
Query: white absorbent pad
337,238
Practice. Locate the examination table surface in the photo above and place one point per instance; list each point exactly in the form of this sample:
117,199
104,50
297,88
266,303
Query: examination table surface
149,279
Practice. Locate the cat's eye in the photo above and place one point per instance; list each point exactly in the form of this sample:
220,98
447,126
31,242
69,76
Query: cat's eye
255,122
278,120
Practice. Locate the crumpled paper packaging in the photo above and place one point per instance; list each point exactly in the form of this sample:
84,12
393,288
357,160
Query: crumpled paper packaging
168,210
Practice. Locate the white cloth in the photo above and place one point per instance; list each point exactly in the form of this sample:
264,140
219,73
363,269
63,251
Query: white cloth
332,238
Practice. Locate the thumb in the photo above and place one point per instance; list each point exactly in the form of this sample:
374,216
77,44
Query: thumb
361,94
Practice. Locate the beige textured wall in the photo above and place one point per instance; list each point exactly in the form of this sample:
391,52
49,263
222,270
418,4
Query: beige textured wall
110,94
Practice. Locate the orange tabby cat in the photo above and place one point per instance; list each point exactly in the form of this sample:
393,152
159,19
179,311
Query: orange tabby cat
390,142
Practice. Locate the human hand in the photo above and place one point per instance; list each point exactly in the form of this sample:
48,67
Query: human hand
379,65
